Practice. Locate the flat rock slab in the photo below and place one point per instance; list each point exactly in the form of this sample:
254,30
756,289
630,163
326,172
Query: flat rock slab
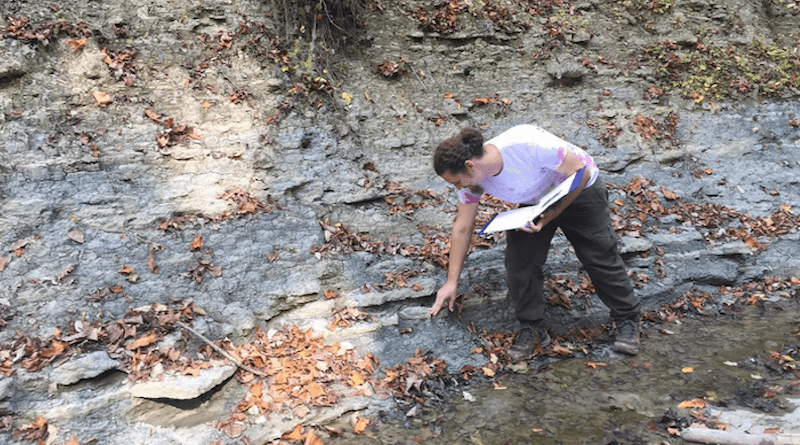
84,367
183,387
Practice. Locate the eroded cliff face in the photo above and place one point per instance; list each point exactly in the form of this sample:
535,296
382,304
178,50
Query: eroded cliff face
160,156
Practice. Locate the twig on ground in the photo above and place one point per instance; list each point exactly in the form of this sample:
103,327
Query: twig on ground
221,351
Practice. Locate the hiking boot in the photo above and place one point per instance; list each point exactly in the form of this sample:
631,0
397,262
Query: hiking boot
529,337
627,341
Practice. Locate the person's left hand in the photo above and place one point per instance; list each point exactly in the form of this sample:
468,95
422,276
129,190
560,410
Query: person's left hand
532,227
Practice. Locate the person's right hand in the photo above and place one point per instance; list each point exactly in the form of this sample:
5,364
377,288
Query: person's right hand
446,295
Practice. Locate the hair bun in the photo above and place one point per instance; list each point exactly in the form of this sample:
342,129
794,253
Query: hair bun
471,136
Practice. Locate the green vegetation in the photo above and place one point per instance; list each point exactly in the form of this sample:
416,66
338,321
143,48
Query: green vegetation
710,73
313,31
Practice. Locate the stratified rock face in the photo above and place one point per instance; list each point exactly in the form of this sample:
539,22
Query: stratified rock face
183,387
197,135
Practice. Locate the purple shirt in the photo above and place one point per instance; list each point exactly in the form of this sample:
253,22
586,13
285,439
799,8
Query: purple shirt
531,156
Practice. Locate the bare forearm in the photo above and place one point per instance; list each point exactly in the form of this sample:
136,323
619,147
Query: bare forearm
459,246
460,240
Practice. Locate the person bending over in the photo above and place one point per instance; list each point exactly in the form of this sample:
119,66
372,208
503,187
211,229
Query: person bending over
521,165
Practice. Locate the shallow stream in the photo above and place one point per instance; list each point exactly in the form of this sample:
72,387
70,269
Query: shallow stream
604,398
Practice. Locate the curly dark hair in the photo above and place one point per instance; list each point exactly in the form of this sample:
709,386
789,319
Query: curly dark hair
451,154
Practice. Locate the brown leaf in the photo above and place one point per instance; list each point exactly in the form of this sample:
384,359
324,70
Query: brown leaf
312,439
55,349
315,390
102,99
595,365
357,379
140,342
233,428
669,194
301,411
64,272
560,350
333,431
694,403
197,244
360,425
126,270
150,261
673,431
35,431
296,435
162,140
190,132
152,115
4,262
77,44
75,234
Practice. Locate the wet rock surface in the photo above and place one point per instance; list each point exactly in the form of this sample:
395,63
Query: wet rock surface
110,217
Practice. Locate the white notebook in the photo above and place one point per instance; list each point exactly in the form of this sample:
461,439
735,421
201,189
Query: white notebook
514,219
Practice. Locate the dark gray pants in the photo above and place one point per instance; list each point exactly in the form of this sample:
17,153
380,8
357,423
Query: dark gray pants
587,225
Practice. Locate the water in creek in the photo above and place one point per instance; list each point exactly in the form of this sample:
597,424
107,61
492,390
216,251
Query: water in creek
604,398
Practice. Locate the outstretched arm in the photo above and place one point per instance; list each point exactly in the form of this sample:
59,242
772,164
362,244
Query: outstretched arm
460,241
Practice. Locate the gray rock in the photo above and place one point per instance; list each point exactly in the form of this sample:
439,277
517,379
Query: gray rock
733,248
566,70
360,299
16,59
6,387
630,244
84,367
183,387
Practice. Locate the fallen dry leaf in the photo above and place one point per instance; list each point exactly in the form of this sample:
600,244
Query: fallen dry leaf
75,234
312,439
197,244
77,44
595,365
669,194
150,260
561,350
102,99
360,425
694,403
35,431
140,342
152,115
64,272
233,428
296,435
